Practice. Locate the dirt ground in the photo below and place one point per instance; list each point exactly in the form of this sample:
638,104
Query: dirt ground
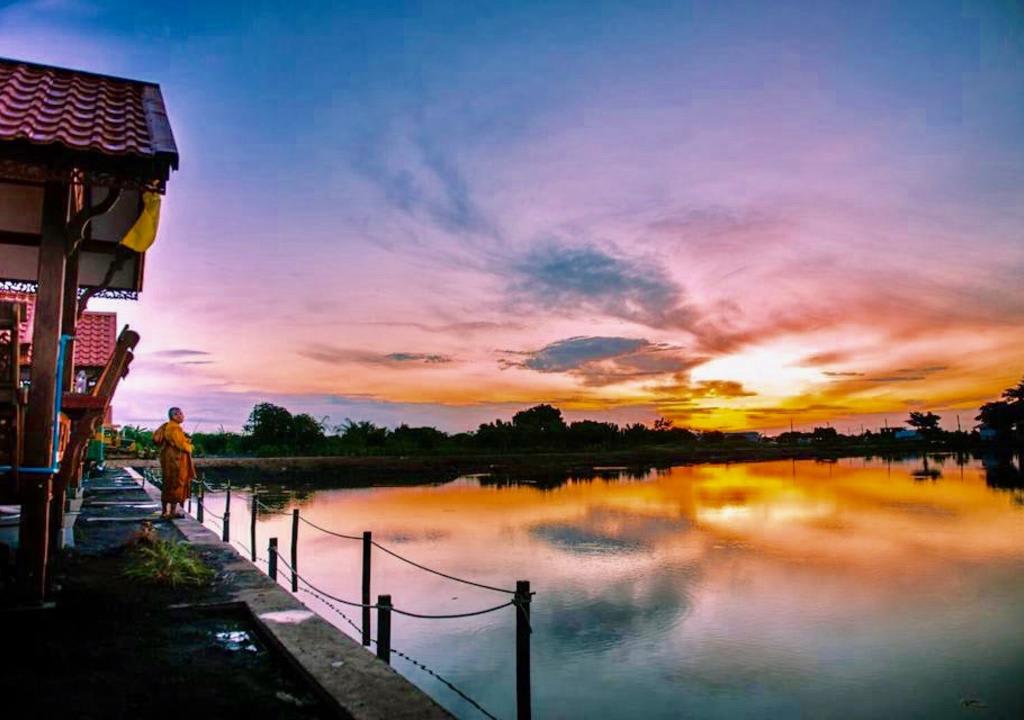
113,647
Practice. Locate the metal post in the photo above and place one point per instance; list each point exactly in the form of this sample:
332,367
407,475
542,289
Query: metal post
384,628
272,559
226,537
253,511
295,550
367,546
522,604
192,489
199,501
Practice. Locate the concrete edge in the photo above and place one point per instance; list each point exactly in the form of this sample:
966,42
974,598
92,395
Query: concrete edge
345,672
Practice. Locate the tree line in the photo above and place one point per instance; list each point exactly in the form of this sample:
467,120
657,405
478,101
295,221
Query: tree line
273,431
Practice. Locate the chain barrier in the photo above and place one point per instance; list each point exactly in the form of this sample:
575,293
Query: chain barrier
393,609
391,553
446,682
438,572
329,600
408,658
329,532
208,511
335,608
271,511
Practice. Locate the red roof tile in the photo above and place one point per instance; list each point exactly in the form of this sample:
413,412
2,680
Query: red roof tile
95,336
80,111
95,339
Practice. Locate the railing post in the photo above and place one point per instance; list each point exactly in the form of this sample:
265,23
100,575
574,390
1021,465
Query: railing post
384,628
295,550
522,605
253,512
226,537
272,559
191,492
367,546
199,501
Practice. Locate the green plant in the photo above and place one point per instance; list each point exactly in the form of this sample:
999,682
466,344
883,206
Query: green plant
168,563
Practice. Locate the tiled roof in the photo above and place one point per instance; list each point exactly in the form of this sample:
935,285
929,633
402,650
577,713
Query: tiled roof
95,336
95,339
81,112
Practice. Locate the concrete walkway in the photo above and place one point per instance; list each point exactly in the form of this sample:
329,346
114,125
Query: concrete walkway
341,671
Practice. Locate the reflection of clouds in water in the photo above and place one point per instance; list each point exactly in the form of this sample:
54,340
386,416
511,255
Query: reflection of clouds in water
584,542
606,531
622,613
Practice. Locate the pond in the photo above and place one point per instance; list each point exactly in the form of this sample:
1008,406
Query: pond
853,588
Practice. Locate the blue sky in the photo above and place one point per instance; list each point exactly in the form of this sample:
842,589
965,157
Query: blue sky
727,213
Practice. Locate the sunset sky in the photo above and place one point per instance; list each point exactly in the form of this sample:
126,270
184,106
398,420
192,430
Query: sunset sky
729,214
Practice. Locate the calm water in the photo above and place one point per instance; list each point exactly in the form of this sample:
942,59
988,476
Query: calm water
762,590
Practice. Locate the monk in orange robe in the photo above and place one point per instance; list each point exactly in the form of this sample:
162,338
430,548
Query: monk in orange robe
175,463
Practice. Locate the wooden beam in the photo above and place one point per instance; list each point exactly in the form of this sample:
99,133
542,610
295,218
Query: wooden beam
40,417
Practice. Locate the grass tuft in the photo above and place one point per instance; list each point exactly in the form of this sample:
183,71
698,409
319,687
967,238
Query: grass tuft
168,563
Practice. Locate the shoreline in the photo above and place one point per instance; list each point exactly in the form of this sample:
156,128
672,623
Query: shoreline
537,462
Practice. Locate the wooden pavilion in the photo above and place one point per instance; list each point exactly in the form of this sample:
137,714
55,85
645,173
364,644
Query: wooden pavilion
84,160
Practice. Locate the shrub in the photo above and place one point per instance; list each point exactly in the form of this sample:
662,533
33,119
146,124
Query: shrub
168,563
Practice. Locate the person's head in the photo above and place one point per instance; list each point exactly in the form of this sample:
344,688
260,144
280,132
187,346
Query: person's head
176,414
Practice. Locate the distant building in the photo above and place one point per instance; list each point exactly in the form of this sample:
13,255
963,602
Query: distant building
987,434
906,435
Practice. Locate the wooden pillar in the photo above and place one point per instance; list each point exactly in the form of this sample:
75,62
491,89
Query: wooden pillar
74,459
367,555
70,315
524,704
35,486
384,628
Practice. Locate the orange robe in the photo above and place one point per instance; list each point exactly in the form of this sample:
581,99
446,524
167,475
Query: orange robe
175,462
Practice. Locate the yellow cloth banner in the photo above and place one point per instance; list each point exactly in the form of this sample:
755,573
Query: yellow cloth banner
143,233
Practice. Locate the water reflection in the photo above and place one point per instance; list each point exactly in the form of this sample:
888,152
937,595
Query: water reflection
608,531
1004,472
845,589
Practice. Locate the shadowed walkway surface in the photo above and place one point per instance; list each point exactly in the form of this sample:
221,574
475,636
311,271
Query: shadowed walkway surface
112,647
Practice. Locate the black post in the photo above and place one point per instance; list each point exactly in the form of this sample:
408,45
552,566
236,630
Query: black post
522,604
191,492
384,628
367,545
226,537
199,501
252,522
295,550
272,559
